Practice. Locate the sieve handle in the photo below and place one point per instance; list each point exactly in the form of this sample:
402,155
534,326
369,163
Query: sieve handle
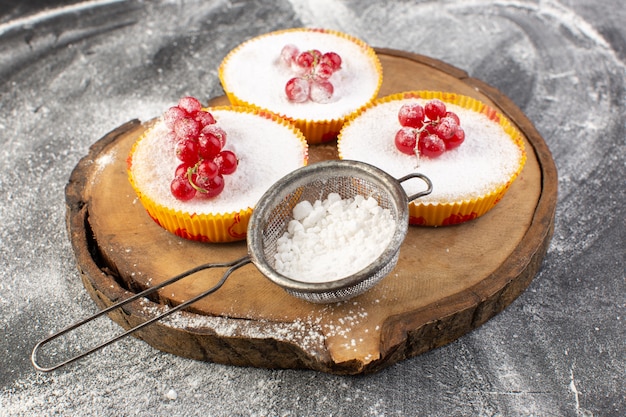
232,266
423,178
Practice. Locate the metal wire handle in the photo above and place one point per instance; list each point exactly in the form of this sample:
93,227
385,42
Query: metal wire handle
423,178
232,266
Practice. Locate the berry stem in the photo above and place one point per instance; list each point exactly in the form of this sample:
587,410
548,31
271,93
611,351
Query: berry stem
417,157
192,170
417,149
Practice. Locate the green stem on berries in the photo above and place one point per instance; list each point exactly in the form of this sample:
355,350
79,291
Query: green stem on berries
192,170
310,75
315,58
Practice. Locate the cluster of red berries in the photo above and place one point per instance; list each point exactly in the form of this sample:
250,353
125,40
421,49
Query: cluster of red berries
199,147
313,71
430,130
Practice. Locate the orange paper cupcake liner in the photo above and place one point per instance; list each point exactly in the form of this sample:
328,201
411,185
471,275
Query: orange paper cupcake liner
315,131
218,228
455,212
205,227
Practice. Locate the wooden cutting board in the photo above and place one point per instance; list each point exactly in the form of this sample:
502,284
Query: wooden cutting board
448,281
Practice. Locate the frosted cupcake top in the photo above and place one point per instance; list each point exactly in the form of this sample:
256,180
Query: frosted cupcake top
255,73
487,159
267,150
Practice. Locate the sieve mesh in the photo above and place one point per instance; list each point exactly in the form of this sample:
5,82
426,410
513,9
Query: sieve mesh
315,182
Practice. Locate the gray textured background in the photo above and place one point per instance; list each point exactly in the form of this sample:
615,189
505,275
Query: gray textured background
70,74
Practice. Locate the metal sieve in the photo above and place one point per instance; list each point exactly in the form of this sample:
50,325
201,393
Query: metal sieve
269,222
315,182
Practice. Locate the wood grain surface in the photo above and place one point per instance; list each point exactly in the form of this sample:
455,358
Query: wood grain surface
448,280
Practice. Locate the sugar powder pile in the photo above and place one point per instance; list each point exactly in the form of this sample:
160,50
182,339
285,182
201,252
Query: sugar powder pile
333,238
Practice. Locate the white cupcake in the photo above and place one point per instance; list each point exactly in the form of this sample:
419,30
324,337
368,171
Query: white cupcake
467,181
267,148
255,74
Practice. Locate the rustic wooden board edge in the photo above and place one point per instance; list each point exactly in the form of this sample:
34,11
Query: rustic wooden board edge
400,339
426,60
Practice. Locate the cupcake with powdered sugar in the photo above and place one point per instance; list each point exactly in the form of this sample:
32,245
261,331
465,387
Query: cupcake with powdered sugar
199,172
315,78
471,153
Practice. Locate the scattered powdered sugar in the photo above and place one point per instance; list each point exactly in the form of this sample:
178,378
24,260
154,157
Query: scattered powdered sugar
256,74
306,333
486,159
333,238
310,332
171,395
104,160
266,150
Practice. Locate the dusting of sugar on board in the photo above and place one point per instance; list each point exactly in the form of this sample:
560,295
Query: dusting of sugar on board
103,161
310,332
266,150
486,160
256,75
306,333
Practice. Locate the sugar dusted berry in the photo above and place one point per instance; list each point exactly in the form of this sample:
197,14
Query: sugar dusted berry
186,128
289,53
211,188
406,140
181,189
297,90
435,109
206,170
431,145
321,91
204,118
208,146
190,105
198,144
454,116
183,169
456,140
171,115
305,60
312,71
429,130
411,115
218,132
323,71
226,162
187,151
333,59
446,128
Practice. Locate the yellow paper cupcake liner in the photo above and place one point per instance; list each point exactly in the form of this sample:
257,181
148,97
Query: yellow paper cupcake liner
315,131
209,227
455,212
